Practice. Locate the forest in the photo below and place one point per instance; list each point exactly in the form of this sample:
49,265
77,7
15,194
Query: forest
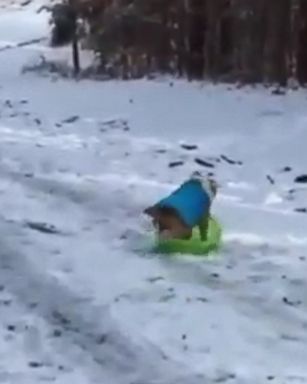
249,41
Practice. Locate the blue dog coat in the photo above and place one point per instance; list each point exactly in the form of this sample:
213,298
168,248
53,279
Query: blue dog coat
191,201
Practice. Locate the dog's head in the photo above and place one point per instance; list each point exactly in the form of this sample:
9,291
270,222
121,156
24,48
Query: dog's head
207,181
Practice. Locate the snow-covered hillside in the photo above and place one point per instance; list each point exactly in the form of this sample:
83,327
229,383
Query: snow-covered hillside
82,299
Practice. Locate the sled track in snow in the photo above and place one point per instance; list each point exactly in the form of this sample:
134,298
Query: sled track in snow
110,351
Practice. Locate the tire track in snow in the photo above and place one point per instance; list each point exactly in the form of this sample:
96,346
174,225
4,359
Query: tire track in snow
115,356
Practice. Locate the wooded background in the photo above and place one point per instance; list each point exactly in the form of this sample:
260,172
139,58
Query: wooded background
223,40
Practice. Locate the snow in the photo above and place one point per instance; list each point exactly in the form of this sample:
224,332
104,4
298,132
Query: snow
82,297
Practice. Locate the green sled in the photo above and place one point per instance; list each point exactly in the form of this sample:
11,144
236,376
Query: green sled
195,245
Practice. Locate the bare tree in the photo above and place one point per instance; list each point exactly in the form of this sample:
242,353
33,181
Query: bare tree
245,40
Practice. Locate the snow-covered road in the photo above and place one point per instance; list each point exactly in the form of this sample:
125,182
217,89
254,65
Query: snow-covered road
81,297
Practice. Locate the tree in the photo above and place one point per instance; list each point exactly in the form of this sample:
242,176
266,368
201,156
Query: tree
234,40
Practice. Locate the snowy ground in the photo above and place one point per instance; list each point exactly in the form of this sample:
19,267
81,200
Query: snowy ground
81,298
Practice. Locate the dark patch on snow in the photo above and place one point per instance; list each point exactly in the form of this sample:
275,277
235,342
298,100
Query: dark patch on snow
155,279
189,147
161,151
286,169
271,180
6,303
224,378
203,163
42,227
301,179
71,119
257,278
231,161
8,104
57,333
289,338
35,364
202,299
174,164
115,124
291,194
166,298
28,175
60,318
291,302
301,210
26,2
102,339
123,236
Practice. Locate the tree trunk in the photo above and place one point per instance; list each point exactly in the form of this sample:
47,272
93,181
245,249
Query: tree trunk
75,46
293,49
212,38
277,38
302,44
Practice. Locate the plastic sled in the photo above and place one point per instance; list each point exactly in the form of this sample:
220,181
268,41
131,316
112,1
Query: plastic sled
195,245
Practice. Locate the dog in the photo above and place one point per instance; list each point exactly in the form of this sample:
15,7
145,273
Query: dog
175,216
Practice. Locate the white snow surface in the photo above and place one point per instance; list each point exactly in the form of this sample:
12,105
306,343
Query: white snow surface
82,298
